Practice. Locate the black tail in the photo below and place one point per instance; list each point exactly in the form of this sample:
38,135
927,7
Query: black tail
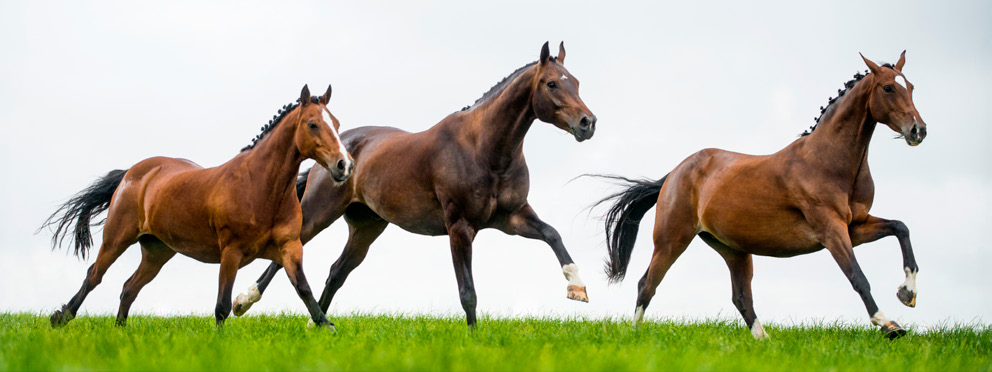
624,218
301,183
81,208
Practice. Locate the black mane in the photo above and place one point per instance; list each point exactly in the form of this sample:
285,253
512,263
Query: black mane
840,93
276,119
496,89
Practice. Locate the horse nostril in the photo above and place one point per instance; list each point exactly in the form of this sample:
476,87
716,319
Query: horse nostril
584,122
341,165
913,131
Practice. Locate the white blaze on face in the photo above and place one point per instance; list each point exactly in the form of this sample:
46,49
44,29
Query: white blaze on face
910,283
879,319
758,331
901,81
571,272
330,122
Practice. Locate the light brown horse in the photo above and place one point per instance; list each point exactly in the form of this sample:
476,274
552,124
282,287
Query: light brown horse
465,174
232,214
812,194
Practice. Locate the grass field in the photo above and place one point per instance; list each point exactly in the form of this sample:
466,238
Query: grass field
365,342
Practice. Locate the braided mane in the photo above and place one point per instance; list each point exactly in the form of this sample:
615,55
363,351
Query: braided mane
840,93
276,119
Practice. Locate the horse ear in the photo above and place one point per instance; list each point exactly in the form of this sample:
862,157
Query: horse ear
305,96
545,53
561,53
871,65
327,96
902,61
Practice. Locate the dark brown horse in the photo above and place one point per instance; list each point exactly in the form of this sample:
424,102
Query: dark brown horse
812,194
465,174
241,210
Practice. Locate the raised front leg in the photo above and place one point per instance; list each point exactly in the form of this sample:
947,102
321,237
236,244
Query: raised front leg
836,239
461,236
526,224
254,294
876,228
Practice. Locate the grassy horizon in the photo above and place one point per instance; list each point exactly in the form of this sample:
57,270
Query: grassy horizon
391,342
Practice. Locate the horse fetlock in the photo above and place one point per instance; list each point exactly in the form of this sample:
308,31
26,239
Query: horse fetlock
758,331
907,291
576,288
61,317
638,316
244,301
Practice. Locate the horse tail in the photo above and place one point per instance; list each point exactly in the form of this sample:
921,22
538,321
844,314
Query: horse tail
82,207
623,220
301,183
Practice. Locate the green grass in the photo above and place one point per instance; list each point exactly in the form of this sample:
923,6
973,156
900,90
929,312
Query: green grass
382,342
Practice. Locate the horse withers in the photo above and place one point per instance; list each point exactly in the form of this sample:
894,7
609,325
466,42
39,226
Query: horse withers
814,193
232,214
464,174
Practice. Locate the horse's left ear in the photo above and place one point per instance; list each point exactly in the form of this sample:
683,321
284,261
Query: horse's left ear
545,53
561,53
902,61
305,96
327,96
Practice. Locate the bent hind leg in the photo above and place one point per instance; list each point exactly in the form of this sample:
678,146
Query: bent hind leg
154,254
117,237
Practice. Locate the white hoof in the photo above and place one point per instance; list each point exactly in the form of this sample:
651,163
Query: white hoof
244,301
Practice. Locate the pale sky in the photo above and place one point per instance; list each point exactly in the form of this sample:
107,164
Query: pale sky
86,87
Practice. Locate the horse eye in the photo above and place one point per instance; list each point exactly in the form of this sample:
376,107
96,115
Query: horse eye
312,125
552,85
887,88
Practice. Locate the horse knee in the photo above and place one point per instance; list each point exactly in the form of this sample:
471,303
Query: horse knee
899,228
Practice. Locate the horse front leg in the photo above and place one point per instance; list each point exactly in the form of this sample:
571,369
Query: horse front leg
837,240
875,228
525,223
254,294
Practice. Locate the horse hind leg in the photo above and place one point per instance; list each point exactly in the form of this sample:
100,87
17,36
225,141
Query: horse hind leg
116,239
741,271
154,254
671,237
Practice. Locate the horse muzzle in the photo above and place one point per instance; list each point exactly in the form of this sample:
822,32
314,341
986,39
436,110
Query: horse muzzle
341,170
584,128
916,134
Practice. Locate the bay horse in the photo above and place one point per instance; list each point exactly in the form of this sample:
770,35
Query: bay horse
232,214
814,193
464,174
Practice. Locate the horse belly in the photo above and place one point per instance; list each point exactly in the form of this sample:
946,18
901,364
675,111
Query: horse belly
768,231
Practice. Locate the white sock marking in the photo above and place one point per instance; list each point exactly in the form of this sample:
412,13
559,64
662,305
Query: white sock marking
571,272
879,319
638,315
251,297
910,283
758,331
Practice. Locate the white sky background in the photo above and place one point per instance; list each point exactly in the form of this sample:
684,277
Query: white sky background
90,87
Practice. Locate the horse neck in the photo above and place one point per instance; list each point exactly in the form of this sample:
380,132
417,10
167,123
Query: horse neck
840,141
500,124
275,160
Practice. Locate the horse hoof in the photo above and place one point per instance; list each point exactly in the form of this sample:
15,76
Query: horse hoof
240,308
60,318
577,293
244,301
906,296
892,330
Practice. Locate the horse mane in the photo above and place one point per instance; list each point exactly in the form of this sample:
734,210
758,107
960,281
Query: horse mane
500,86
840,93
276,119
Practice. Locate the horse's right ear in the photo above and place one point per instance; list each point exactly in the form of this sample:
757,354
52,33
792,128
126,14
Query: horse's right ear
545,54
871,65
305,96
